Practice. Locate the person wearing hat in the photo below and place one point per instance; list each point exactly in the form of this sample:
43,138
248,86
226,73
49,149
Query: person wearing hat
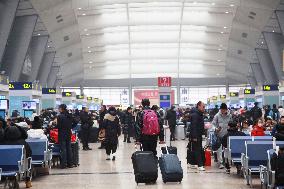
112,128
64,125
256,112
220,123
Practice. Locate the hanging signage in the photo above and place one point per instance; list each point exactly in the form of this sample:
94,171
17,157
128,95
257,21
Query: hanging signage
20,86
66,94
79,96
222,97
89,98
48,90
164,81
234,94
249,91
214,98
270,87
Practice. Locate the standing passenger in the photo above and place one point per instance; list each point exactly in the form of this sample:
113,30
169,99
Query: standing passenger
86,124
172,119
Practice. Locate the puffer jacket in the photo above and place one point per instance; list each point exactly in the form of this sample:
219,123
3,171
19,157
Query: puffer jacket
221,121
112,128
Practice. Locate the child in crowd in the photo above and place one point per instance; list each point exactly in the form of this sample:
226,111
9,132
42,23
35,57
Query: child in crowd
258,128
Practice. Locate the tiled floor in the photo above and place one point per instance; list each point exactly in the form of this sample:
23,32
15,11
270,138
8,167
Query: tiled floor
95,172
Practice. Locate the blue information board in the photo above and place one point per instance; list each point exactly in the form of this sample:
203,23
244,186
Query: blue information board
165,104
20,86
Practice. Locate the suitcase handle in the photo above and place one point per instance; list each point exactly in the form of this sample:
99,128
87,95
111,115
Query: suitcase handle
166,149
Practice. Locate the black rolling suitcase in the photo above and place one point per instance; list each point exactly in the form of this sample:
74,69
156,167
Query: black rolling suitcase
169,149
145,167
170,167
190,155
75,153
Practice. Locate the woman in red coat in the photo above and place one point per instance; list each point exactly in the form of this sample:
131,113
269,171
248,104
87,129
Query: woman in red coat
258,128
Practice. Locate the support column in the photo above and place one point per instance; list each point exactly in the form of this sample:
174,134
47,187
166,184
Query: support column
275,43
7,15
252,81
178,92
18,45
130,94
267,66
258,73
52,76
37,47
45,67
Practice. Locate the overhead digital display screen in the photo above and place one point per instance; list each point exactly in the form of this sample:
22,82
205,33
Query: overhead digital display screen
66,94
270,87
20,86
48,90
234,94
249,91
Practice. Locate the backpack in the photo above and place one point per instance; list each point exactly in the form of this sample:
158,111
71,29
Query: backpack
150,123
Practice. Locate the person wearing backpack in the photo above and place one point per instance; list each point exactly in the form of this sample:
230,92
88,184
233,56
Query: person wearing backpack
148,128
255,112
274,113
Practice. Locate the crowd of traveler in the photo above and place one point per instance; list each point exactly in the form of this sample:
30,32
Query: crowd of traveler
145,126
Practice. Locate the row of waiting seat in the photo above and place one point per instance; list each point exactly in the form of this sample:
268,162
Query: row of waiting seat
14,165
251,155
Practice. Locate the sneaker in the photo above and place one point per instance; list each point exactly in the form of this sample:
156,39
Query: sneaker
201,169
108,157
221,166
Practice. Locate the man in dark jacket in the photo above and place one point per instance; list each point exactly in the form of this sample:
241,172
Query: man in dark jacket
172,121
64,125
103,112
149,142
127,124
196,131
86,124
278,130
256,112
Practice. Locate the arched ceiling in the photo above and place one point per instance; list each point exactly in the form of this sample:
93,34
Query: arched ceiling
120,39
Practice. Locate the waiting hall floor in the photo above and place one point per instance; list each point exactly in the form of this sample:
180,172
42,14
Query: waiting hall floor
95,172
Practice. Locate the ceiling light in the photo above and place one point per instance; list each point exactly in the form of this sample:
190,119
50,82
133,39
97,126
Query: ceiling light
194,2
218,60
220,49
273,31
90,62
87,34
79,8
84,14
48,46
222,32
38,34
89,51
89,47
213,4
90,67
225,27
262,42
231,5
85,29
227,12
218,74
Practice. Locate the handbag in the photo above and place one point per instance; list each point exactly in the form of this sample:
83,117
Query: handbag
102,135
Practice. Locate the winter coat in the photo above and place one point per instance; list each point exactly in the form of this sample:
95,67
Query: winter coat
257,131
221,121
2,135
231,132
172,118
64,126
127,121
278,132
256,113
86,120
15,135
274,114
281,112
112,128
36,125
102,115
196,128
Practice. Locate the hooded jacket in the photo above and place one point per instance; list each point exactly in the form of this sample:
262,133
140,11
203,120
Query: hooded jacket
221,121
278,132
112,128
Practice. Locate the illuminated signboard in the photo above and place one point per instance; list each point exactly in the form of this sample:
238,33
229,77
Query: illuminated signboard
234,94
79,96
20,86
249,91
223,97
48,90
89,98
270,87
214,97
66,94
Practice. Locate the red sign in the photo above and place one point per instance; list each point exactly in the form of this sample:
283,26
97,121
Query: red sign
164,81
152,95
